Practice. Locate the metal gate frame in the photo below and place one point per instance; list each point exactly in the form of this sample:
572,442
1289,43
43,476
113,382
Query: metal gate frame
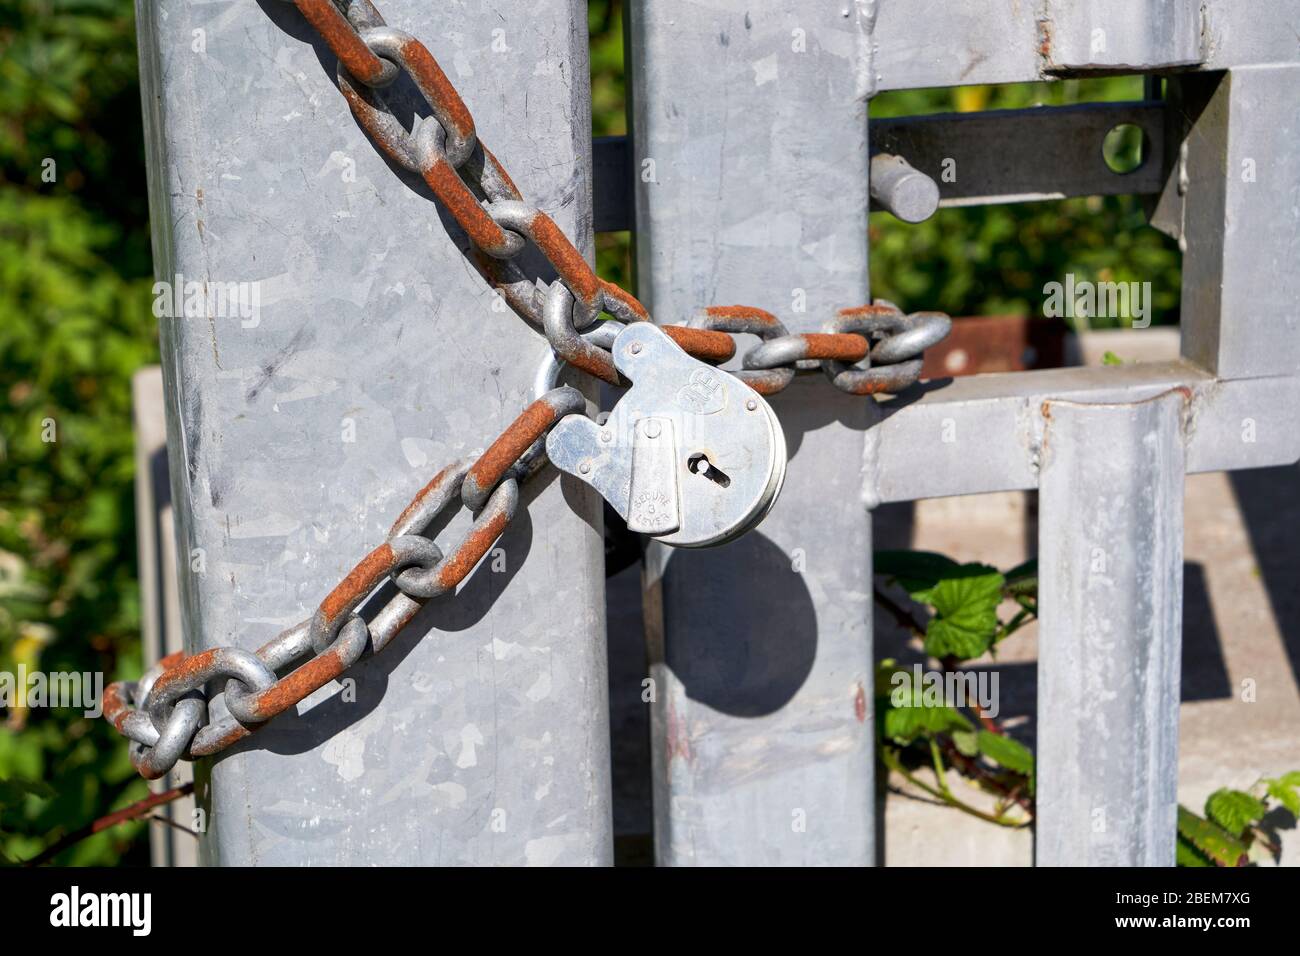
489,744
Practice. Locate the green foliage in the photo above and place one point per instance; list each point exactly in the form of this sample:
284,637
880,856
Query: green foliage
1286,791
995,260
75,323
965,599
1006,752
905,714
609,118
963,624
965,617
916,731
1234,810
1208,842
1234,829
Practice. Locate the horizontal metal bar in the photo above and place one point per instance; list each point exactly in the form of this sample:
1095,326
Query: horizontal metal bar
984,433
613,200
929,43
1046,152
997,156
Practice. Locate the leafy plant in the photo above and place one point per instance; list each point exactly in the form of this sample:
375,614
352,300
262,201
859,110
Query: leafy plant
75,323
964,624
1233,830
919,734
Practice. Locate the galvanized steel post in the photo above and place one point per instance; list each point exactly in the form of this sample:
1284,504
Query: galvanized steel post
752,188
361,354
1110,632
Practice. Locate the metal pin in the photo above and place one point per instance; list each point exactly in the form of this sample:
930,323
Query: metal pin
898,188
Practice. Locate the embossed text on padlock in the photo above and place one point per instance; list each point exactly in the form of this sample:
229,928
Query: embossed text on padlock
690,454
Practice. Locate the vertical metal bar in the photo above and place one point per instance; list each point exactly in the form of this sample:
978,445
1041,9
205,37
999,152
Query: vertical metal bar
160,611
1110,610
751,163
300,428
1239,171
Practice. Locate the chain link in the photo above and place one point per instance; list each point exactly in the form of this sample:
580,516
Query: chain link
866,350
165,713
480,195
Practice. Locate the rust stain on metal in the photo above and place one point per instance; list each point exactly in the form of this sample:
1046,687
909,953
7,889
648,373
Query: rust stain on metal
872,388
512,443
464,208
742,312
1045,39
365,115
679,741
859,310
766,385
232,736
429,75
186,668
358,582
461,561
171,660
307,679
419,498
342,39
595,362
632,302
116,707
501,171
568,262
841,347
715,347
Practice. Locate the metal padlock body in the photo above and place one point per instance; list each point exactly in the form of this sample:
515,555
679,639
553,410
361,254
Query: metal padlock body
686,437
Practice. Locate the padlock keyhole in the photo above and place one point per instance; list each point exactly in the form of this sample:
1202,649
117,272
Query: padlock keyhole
699,464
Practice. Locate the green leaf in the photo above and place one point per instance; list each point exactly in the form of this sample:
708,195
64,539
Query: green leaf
1234,810
906,716
1187,855
1285,795
1006,752
1212,840
966,613
13,792
966,742
1110,358
904,724
916,571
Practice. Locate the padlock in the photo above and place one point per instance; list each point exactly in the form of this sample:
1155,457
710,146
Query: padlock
690,454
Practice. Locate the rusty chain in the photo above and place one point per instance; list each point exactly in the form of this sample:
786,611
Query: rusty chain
863,351
165,712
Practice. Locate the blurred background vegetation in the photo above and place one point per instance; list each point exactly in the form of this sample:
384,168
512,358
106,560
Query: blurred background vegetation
75,323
